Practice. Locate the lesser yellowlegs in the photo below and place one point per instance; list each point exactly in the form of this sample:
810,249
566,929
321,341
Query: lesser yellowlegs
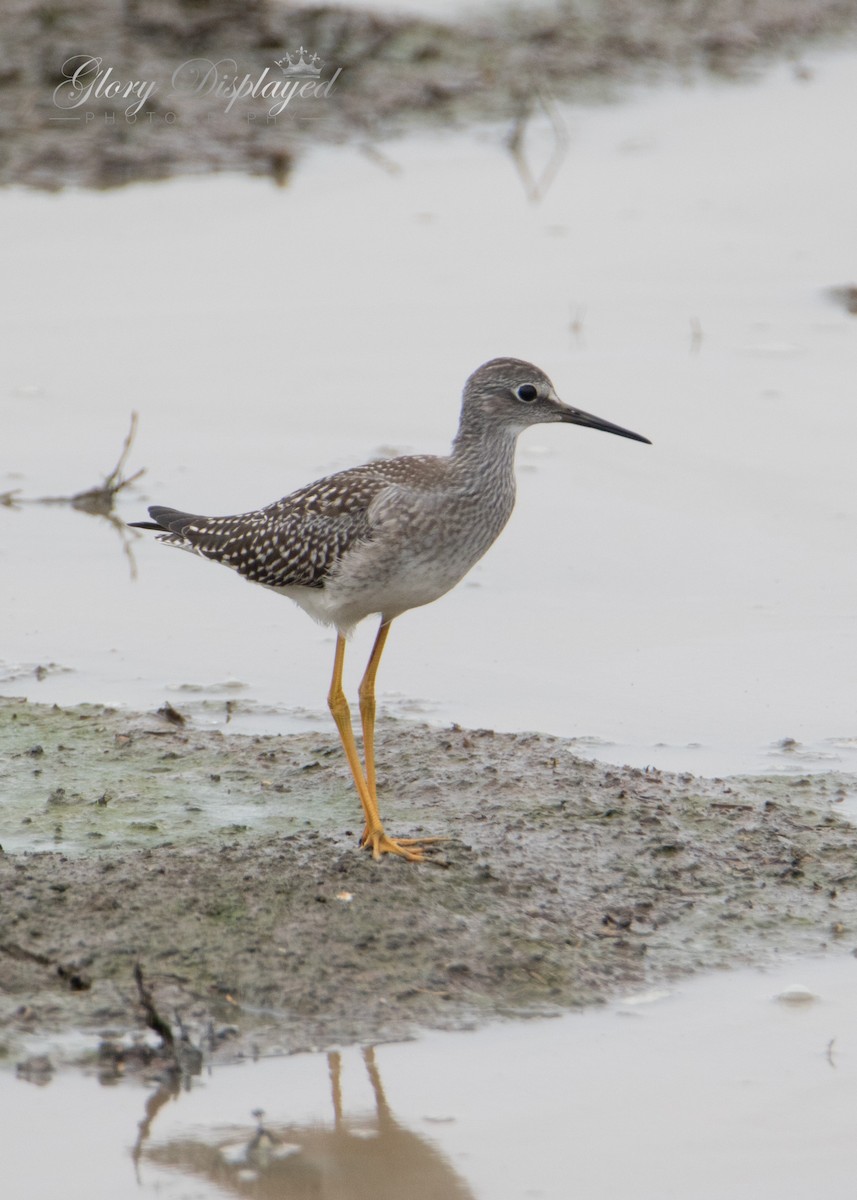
385,537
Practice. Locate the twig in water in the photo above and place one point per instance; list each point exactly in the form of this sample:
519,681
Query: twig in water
154,1020
100,499
536,188
829,1054
97,501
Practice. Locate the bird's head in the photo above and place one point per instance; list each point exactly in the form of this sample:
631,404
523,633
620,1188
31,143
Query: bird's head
513,394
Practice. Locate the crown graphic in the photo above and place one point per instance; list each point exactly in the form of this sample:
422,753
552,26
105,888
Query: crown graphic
302,63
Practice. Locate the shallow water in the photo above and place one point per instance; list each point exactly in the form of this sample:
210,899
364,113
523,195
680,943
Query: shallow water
689,604
711,1088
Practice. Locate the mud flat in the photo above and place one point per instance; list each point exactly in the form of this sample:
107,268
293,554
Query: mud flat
158,101
227,868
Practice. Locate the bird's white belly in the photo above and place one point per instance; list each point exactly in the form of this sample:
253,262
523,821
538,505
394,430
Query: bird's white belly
419,584
347,598
420,548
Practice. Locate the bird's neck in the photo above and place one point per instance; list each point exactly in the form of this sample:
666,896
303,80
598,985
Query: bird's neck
484,455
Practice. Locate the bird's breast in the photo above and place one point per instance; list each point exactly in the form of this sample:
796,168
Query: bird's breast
419,548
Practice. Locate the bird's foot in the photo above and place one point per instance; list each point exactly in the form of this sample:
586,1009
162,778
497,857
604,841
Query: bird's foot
410,849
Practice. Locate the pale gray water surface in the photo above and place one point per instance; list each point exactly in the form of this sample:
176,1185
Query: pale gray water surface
689,604
715,1088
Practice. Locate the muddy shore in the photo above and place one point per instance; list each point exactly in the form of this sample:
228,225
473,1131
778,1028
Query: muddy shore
227,867
390,75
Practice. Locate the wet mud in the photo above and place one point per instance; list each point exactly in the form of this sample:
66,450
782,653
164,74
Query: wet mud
158,97
223,870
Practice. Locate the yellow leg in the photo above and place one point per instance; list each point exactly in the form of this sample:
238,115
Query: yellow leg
374,837
367,719
334,1066
338,705
367,706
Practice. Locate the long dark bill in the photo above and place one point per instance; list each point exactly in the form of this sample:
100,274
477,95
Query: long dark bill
575,416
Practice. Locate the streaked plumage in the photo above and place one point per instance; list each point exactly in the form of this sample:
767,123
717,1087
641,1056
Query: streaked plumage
388,536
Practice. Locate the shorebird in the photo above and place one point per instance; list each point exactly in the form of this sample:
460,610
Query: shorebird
386,537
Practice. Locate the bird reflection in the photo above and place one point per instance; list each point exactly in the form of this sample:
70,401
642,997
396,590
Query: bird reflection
355,1158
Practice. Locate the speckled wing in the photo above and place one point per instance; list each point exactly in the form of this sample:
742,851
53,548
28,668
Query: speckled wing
294,542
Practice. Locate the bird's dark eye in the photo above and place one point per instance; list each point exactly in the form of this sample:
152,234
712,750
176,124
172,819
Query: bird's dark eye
527,393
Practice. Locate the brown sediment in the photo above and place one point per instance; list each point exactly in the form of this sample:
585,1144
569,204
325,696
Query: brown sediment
227,867
396,73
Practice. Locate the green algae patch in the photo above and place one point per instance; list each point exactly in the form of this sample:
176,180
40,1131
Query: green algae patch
88,778
228,868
